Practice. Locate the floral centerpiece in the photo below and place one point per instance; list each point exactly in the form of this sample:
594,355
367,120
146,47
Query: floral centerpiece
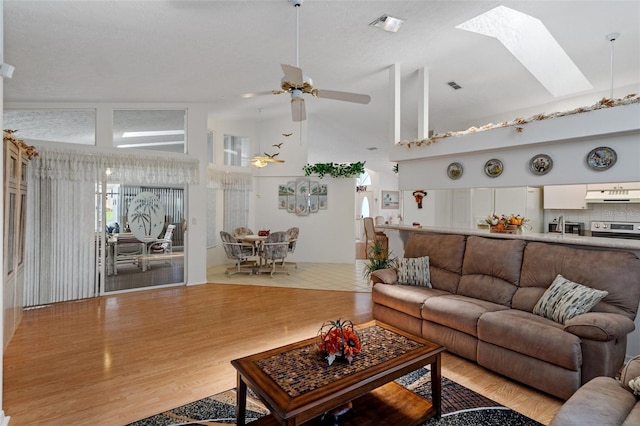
507,224
339,339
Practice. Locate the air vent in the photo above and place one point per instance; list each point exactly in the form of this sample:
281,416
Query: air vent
372,148
454,85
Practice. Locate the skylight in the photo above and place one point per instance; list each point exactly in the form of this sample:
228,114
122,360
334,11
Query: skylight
533,45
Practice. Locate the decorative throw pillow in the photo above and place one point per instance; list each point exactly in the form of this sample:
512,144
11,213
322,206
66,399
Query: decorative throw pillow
634,385
565,299
414,271
629,373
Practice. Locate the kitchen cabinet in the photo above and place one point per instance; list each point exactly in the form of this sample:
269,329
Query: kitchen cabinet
612,186
565,197
525,201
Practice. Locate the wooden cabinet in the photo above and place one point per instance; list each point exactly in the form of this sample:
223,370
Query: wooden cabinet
16,157
565,197
612,186
525,201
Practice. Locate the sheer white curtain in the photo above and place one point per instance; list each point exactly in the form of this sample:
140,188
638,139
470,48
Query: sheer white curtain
60,252
236,187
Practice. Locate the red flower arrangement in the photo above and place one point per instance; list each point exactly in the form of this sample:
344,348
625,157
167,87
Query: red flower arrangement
339,339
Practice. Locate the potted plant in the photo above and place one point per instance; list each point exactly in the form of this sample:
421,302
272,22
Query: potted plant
378,258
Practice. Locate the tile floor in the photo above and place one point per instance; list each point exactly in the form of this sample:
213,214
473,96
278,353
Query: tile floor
315,276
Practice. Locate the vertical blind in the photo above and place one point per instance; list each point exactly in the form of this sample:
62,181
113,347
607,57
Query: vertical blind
60,251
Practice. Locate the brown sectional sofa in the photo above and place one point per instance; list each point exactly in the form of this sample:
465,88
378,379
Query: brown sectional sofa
482,300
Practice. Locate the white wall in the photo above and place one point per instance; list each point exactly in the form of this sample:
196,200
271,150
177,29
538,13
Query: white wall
325,237
3,419
567,140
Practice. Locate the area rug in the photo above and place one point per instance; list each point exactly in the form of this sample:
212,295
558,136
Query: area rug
460,407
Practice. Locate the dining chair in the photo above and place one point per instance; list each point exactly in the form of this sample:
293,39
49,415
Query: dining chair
292,237
238,252
242,231
275,248
374,237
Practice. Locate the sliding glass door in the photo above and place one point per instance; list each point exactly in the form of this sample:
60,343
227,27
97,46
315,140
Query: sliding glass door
142,236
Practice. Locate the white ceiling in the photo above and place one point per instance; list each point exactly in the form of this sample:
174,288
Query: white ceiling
212,52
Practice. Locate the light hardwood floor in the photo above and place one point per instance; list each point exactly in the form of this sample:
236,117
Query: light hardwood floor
116,359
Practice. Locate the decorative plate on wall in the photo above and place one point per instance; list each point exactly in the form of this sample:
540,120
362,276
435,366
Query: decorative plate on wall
493,168
454,171
601,158
540,164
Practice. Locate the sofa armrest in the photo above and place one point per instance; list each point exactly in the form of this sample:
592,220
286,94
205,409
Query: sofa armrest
385,276
599,326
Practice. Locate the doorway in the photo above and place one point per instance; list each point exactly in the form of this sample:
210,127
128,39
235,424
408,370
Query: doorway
143,237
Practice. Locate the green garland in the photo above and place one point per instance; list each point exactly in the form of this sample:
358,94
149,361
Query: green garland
336,170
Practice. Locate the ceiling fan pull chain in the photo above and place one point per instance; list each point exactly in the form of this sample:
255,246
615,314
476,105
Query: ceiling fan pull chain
297,5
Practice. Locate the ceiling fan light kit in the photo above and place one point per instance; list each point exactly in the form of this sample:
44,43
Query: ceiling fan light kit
297,84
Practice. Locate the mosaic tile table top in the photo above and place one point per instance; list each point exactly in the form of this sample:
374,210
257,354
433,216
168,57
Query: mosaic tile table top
304,369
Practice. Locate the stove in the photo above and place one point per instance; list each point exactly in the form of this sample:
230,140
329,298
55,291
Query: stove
626,230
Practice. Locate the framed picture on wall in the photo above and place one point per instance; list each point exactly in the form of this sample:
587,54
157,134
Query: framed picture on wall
291,197
302,196
283,195
391,199
322,196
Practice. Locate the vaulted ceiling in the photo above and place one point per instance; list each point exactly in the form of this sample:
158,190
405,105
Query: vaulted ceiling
213,52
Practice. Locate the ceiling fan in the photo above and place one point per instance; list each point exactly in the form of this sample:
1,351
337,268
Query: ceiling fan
297,84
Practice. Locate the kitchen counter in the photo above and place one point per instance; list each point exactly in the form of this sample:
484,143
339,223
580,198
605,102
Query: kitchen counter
572,239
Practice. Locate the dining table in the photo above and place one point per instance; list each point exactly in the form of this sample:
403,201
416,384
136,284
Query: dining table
255,242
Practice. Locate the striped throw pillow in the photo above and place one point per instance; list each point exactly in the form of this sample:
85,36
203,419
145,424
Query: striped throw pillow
414,271
565,299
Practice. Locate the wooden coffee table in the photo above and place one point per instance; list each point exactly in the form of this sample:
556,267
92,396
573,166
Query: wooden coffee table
297,385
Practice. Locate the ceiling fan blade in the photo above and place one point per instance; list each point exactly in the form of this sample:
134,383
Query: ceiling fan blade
344,96
293,74
254,94
298,111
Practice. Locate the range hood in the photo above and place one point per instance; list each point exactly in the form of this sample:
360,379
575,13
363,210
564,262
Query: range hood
612,196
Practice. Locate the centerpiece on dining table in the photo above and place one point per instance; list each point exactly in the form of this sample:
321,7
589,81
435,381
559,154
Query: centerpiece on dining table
339,339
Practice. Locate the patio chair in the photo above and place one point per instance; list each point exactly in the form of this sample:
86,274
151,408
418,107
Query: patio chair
162,248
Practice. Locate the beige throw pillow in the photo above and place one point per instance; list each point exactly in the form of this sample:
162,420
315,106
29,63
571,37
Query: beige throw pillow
565,299
414,271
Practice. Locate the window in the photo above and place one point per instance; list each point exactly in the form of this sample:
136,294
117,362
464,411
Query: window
156,130
236,151
54,125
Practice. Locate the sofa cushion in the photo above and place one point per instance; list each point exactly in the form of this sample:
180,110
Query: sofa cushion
491,269
593,268
414,271
445,257
531,335
403,298
565,299
458,312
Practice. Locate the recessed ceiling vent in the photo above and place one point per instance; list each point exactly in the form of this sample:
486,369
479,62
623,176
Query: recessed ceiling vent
454,85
